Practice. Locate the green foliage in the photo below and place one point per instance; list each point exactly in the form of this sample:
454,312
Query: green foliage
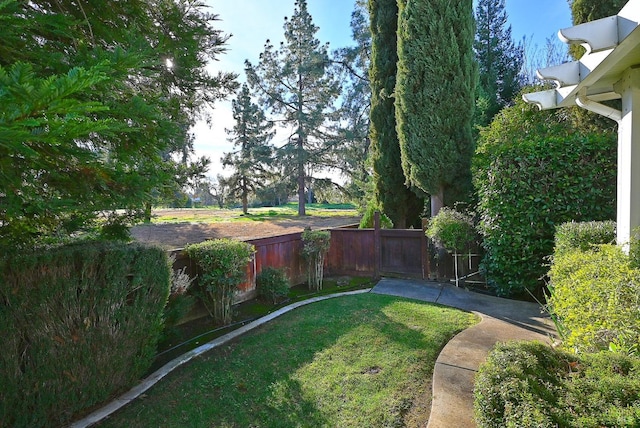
435,96
299,87
452,230
90,113
223,266
250,135
499,60
529,384
81,323
596,294
394,198
589,10
315,247
273,284
367,220
583,236
525,189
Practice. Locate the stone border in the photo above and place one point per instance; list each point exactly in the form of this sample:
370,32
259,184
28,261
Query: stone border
155,377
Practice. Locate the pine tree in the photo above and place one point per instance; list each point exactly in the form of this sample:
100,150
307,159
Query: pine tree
352,148
499,60
298,87
391,194
435,90
251,135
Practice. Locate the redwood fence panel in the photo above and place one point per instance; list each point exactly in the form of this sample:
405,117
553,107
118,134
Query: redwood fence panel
353,252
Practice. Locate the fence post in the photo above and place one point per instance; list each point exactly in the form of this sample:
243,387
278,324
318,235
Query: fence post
376,245
425,257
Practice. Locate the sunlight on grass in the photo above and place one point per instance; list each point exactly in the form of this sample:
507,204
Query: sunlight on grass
355,361
216,215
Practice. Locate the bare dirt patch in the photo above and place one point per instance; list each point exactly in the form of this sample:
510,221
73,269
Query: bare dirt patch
177,235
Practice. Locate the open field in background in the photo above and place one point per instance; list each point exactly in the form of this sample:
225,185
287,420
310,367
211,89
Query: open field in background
356,361
174,228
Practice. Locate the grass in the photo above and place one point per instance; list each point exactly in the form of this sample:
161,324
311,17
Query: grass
213,215
354,361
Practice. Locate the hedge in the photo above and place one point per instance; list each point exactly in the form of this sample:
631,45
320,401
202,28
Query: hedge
80,323
528,186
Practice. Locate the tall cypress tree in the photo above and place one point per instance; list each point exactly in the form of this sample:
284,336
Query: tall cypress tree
499,60
250,135
395,199
435,90
298,85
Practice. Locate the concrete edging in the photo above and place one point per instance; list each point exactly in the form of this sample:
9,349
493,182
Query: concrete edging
156,376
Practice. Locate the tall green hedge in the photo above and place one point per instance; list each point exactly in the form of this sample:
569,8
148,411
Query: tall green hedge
528,185
79,323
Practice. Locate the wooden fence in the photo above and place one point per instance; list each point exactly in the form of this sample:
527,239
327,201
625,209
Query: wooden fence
353,252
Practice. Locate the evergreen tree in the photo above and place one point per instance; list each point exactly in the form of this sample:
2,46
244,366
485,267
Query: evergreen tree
435,96
499,60
298,86
590,10
95,100
352,148
391,194
250,135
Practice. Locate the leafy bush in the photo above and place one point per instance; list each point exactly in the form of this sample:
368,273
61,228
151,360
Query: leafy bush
452,230
273,284
583,236
367,220
528,185
316,245
596,296
529,384
81,323
223,263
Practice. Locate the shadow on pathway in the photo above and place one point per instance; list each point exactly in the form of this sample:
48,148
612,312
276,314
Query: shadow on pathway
457,364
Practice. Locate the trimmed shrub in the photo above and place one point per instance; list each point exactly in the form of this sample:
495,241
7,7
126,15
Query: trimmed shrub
583,236
529,384
527,186
367,220
452,230
595,294
273,284
80,322
316,246
223,266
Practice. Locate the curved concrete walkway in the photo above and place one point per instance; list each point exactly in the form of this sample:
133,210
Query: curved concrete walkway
457,364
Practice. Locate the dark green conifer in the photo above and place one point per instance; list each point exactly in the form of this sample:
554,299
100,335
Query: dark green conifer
435,91
395,199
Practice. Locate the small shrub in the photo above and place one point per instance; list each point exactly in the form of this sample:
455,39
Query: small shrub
596,296
529,384
81,323
223,263
584,235
316,245
273,284
452,230
367,221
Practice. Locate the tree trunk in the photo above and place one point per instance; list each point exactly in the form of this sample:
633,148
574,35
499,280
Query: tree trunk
437,202
301,199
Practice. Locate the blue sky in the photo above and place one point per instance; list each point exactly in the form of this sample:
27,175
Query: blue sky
252,22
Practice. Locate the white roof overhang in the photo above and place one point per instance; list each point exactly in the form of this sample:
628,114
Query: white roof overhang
613,46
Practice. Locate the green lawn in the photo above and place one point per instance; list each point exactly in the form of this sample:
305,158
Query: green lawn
354,361
212,214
